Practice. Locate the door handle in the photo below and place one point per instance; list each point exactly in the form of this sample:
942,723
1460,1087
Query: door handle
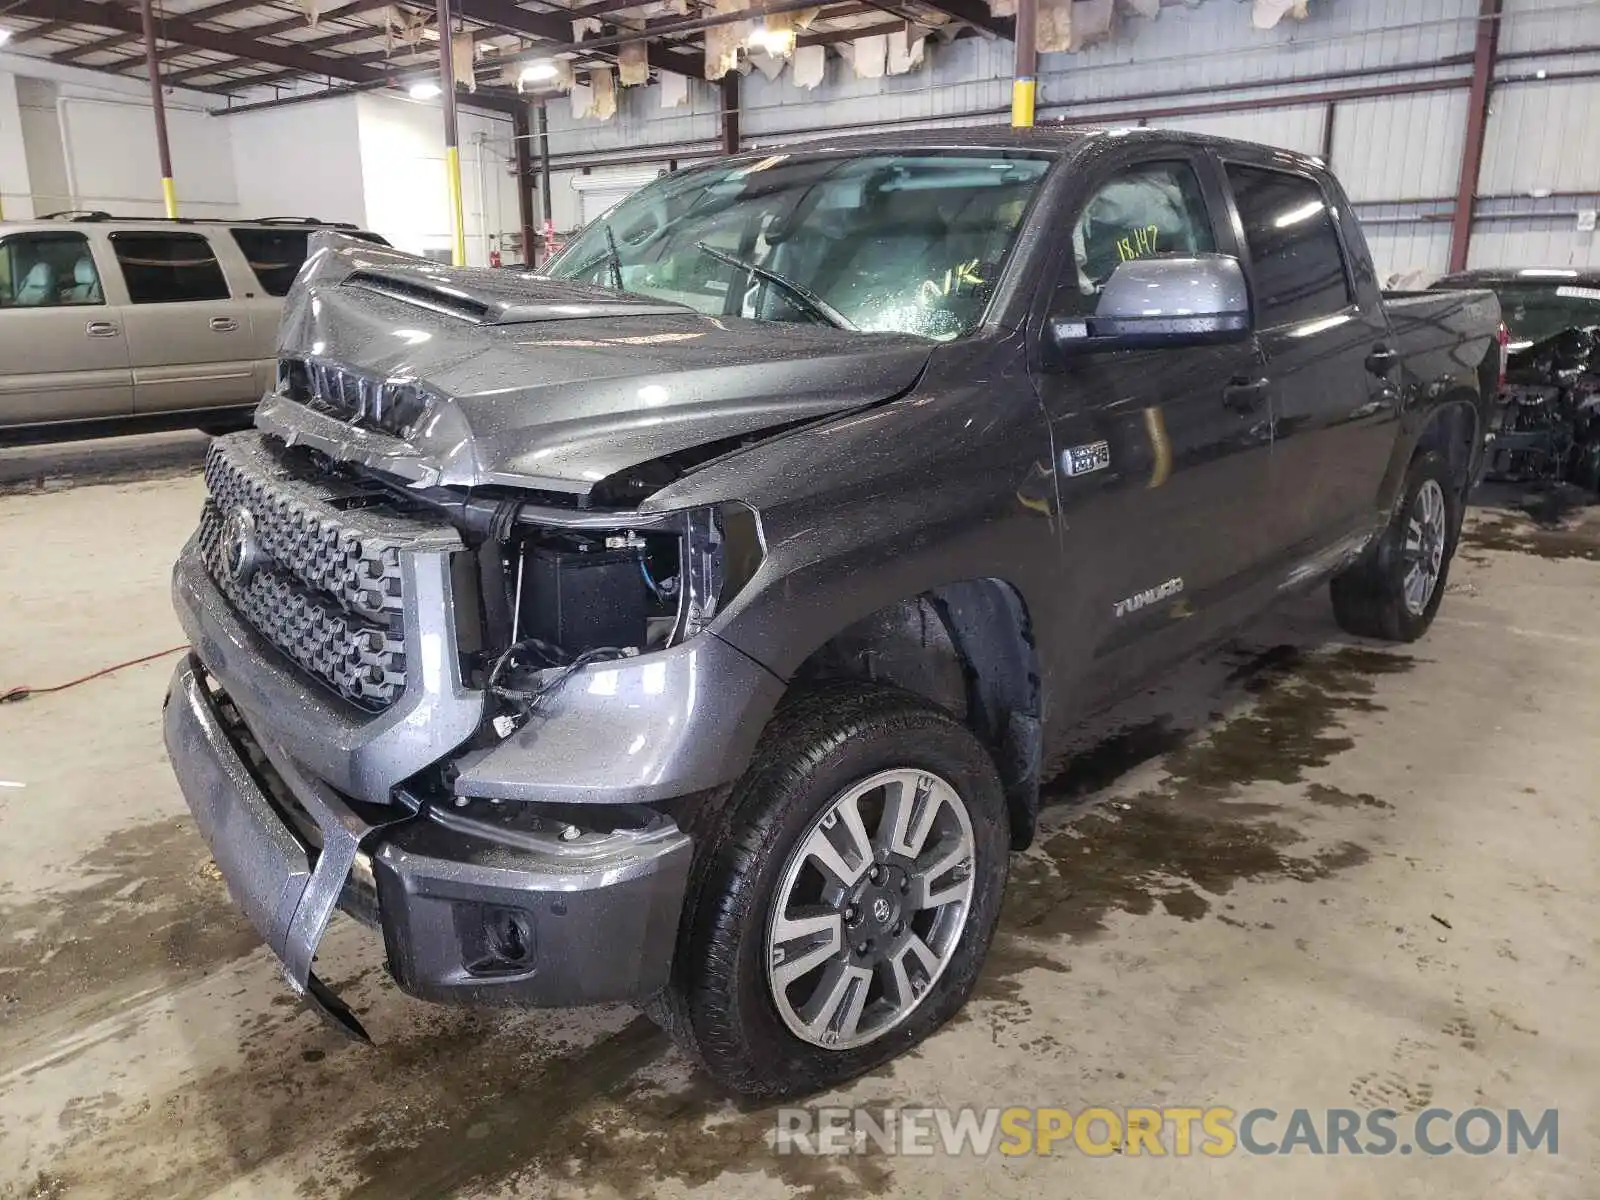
102,329
1382,360
1245,395
223,324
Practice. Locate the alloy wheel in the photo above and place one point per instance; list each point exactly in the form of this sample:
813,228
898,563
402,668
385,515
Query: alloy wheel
870,908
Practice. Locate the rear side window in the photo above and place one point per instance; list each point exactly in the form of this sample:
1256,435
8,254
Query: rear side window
1298,266
275,255
48,270
168,268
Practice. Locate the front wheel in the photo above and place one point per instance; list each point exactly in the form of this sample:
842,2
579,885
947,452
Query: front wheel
1393,590
843,899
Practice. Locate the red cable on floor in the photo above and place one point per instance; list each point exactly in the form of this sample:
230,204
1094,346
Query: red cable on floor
22,693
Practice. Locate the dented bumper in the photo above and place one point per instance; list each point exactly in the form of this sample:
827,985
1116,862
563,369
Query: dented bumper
482,905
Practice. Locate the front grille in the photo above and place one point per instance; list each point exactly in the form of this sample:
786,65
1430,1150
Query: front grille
314,565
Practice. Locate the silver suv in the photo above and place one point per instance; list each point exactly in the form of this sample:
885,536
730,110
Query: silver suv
111,324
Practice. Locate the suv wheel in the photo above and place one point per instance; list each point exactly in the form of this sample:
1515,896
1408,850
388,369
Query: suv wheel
843,899
1393,591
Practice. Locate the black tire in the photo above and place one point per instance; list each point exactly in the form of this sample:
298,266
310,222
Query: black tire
719,1005
1369,596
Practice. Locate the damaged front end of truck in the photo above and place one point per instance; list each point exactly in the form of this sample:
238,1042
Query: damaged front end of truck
454,614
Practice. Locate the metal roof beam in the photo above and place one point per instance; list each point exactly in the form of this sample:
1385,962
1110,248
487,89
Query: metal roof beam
38,32
186,32
976,14
122,39
275,28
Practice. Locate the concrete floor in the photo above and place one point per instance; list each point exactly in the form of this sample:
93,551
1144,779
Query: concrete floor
1236,900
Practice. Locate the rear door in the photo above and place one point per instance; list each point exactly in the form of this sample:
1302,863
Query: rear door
189,335
1325,338
63,347
1163,455
269,259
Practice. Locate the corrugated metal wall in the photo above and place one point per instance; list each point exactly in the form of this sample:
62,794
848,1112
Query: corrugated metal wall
1394,74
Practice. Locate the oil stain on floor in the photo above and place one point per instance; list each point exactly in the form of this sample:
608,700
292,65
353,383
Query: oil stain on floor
1552,524
148,910
1187,840
454,1102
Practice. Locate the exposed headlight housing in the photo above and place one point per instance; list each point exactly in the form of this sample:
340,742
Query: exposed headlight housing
576,586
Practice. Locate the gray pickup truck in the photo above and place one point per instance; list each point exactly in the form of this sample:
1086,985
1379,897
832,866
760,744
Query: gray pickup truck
112,324
688,625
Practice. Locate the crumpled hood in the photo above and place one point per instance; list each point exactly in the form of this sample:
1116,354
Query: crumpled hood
551,384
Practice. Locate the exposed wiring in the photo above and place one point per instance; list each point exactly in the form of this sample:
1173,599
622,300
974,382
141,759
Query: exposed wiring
18,694
644,569
527,700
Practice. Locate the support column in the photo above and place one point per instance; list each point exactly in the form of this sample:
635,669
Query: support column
1483,56
452,149
730,113
1023,83
169,193
541,125
521,136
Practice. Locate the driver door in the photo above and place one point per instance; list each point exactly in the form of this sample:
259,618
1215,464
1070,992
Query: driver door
1162,456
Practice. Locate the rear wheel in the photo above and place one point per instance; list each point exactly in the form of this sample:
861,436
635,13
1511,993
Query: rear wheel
843,900
1393,591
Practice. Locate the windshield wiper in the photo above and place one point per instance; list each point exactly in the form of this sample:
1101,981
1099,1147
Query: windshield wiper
808,299
609,255
616,257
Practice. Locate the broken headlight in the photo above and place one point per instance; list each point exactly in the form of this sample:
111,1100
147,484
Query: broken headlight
396,406
632,589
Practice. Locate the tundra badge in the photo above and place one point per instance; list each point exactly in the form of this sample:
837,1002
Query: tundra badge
1080,460
1138,600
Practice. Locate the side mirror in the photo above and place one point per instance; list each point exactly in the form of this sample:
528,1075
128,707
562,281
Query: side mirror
1162,302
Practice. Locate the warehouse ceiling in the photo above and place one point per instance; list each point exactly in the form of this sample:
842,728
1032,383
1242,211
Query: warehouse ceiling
237,47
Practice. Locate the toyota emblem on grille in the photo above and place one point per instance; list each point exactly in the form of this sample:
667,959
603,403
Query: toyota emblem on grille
244,553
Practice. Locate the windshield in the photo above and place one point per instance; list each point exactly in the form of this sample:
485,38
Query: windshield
1536,311
908,243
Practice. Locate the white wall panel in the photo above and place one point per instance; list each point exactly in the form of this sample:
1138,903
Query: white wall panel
404,181
1214,46
41,135
300,161
1287,128
1542,135
1400,147
640,122
112,164
965,77
1416,247
16,186
1548,24
1545,242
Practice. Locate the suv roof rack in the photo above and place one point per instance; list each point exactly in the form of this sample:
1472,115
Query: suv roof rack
96,214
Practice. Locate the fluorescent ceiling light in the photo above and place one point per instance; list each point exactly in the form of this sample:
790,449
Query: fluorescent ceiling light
534,72
779,43
426,90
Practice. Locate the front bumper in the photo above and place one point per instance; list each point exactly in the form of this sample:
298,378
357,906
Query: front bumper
483,905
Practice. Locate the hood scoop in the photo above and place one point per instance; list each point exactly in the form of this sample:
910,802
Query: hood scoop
528,299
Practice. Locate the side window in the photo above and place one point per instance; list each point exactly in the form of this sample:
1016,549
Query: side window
1296,262
48,270
165,268
275,255
1147,211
